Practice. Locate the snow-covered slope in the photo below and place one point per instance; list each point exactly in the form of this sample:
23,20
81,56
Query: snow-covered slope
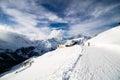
101,60
94,62
51,66
108,37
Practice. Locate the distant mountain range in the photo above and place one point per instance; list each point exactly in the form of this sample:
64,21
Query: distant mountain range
16,48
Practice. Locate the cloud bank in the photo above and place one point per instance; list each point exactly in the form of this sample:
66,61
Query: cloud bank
25,21
33,18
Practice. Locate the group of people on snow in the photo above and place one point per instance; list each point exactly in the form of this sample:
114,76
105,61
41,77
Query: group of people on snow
72,44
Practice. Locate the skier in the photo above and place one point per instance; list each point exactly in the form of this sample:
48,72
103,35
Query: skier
88,43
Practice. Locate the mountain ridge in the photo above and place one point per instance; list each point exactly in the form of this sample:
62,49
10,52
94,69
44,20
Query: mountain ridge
86,62
18,48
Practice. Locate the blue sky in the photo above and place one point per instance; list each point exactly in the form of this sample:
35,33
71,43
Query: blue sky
41,17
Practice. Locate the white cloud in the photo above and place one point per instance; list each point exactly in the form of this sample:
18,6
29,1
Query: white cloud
87,28
34,33
101,10
99,17
31,33
25,7
94,26
28,14
6,28
26,22
56,34
22,18
52,17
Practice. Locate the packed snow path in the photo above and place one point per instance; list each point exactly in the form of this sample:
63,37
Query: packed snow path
97,63
100,60
67,74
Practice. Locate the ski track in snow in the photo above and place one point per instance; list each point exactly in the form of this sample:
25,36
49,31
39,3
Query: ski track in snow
24,68
99,61
89,63
97,64
67,74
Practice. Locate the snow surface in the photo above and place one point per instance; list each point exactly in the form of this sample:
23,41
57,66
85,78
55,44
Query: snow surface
99,61
108,37
50,66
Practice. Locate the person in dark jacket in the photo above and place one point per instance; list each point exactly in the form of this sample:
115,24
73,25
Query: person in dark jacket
119,23
88,43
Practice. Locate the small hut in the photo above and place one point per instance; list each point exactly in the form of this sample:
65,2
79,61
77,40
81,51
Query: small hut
72,44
